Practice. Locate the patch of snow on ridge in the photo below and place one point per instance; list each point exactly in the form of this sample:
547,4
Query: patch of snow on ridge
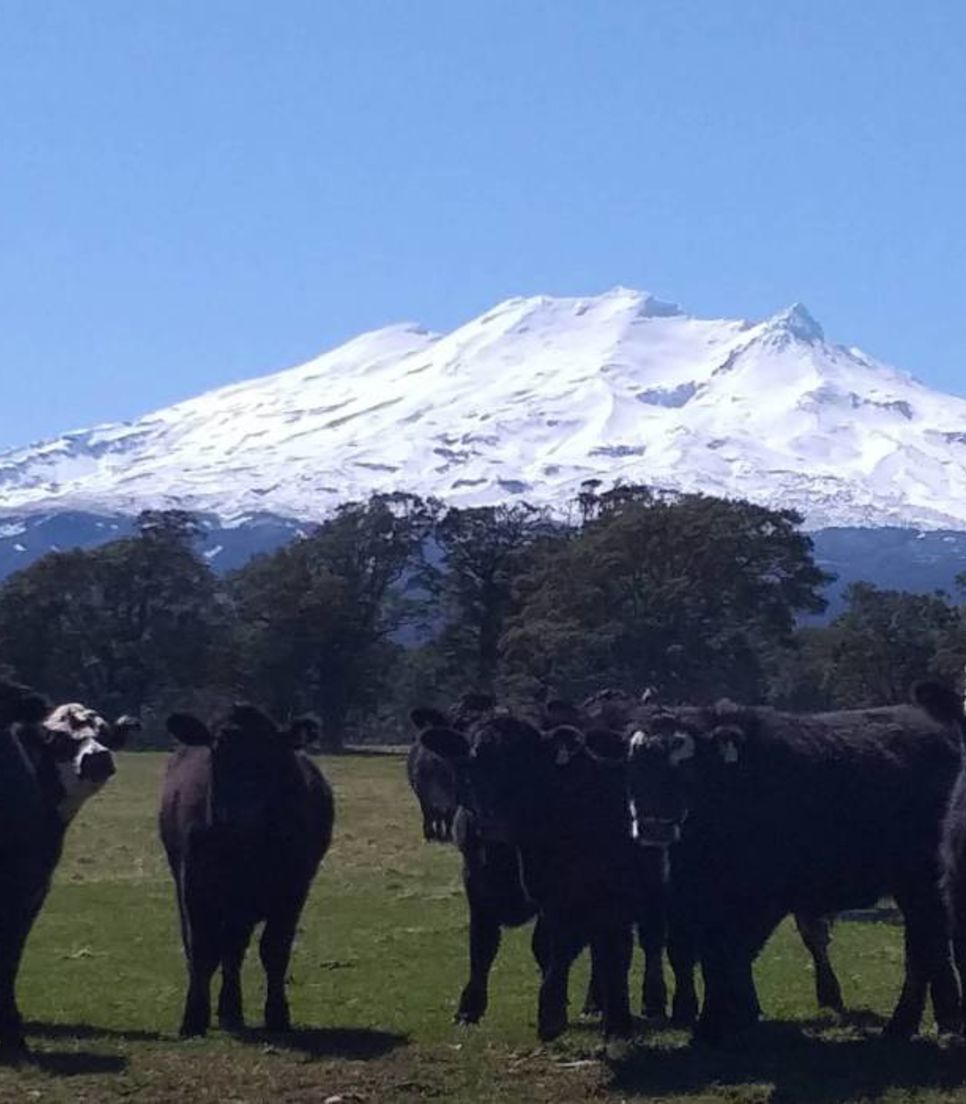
530,399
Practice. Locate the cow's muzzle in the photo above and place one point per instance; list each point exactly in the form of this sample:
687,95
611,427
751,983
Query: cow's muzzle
657,832
97,766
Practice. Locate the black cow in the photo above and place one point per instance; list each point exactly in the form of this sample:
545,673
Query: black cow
430,776
495,896
246,818
781,813
947,706
560,799
50,763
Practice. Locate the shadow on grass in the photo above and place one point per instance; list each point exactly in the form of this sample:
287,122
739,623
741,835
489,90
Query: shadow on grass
785,1065
91,1031
64,1063
356,1043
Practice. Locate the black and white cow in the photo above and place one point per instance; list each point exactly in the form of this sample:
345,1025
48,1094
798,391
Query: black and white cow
246,818
51,762
781,813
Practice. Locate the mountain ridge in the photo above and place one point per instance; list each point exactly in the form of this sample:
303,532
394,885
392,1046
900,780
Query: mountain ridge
528,400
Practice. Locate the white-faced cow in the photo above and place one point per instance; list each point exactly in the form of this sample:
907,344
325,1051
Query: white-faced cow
246,818
781,813
50,763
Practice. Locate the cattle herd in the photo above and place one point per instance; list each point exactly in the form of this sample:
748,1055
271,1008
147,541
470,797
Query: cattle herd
695,829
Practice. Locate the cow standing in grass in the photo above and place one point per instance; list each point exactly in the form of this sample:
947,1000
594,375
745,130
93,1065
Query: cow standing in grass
495,895
557,799
51,761
246,818
811,814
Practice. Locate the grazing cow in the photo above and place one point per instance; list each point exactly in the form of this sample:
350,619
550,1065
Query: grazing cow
246,818
781,813
50,763
430,776
559,799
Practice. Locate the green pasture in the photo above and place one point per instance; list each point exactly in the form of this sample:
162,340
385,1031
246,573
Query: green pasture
375,975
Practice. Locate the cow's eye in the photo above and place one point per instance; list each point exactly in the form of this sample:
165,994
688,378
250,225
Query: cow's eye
62,745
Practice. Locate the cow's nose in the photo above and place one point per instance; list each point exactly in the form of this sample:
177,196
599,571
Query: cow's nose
97,766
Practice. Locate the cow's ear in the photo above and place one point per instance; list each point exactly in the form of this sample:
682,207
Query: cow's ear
118,734
20,704
446,742
606,745
565,742
728,740
939,701
187,729
303,730
423,717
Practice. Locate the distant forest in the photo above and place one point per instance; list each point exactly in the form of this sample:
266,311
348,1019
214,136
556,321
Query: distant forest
398,601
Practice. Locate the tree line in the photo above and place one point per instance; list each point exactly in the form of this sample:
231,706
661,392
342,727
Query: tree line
399,600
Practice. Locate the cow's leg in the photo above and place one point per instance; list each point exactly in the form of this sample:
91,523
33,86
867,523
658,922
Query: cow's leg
15,926
429,827
959,953
927,963
13,936
612,948
651,935
231,1016
816,933
275,948
566,942
484,944
681,955
201,930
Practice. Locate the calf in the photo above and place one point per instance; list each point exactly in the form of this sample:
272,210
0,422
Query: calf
50,763
559,799
246,818
780,813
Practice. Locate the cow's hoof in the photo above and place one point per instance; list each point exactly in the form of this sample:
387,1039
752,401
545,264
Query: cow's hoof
233,1025
192,1031
551,1026
465,1017
899,1028
14,1051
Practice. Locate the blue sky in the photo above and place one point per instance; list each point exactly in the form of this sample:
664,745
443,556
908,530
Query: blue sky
196,192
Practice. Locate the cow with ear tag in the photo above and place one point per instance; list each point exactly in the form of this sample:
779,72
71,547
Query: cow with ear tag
51,762
808,814
558,799
246,818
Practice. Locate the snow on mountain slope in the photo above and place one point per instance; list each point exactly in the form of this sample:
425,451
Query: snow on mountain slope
529,400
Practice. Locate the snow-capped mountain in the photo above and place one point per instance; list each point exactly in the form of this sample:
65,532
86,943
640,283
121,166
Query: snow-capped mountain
529,400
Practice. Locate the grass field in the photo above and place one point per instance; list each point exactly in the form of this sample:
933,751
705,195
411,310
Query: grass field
375,975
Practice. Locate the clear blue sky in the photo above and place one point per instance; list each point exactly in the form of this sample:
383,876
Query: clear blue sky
197,191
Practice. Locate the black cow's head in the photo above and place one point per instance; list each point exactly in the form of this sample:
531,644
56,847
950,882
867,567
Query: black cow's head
510,773
249,754
675,754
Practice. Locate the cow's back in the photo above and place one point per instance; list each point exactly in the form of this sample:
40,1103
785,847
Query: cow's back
827,811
